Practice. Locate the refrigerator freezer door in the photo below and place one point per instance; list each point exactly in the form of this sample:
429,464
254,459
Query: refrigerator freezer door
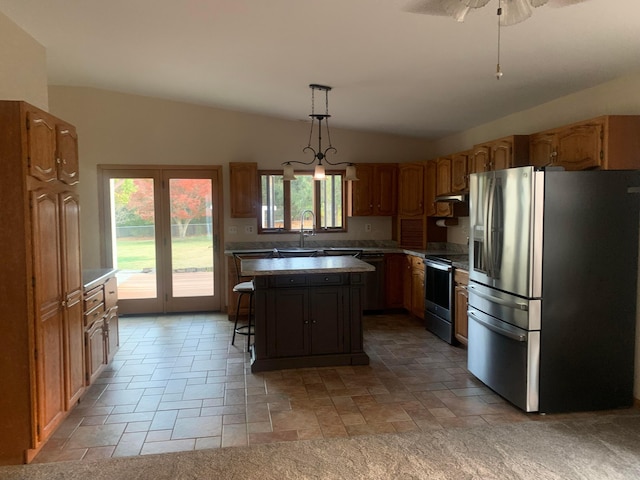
506,211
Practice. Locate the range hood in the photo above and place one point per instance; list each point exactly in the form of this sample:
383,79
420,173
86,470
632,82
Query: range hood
453,197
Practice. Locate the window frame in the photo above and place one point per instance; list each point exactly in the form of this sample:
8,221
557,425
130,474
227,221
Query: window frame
287,203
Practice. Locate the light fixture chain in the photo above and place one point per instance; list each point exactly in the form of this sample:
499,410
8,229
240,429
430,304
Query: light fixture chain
498,68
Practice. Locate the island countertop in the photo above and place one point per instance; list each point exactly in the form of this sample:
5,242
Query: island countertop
304,265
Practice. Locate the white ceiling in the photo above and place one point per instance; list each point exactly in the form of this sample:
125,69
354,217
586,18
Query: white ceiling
391,71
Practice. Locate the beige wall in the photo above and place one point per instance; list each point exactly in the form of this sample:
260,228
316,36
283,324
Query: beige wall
115,128
23,75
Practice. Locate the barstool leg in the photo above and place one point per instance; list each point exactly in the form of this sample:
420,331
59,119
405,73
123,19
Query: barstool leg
249,321
235,324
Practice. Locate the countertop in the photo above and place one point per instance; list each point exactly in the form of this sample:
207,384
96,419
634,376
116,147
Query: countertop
304,265
93,277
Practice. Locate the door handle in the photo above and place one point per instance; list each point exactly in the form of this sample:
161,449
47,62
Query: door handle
500,331
494,299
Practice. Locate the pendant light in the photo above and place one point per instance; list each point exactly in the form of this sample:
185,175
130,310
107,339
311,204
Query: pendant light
319,153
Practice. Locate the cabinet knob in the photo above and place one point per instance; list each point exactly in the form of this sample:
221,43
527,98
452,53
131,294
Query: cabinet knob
326,279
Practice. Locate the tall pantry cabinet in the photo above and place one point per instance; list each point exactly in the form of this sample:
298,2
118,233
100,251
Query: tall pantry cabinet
42,364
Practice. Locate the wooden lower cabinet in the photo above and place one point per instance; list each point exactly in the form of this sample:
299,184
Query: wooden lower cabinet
308,320
100,321
461,295
413,285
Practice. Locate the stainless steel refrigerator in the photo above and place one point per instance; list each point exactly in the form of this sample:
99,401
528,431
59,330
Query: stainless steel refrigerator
553,263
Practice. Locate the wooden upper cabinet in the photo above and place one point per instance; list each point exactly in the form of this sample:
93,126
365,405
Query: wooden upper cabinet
507,152
410,189
52,148
460,172
481,159
443,185
41,140
610,142
430,179
243,187
375,192
67,154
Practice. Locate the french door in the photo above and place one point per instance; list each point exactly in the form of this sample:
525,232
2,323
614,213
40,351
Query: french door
161,228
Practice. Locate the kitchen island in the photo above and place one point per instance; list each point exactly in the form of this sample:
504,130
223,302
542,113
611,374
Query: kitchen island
308,311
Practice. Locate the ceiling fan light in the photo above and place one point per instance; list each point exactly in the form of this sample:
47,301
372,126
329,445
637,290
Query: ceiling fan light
350,175
514,11
287,173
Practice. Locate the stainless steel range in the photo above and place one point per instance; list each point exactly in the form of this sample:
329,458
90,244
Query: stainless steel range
438,294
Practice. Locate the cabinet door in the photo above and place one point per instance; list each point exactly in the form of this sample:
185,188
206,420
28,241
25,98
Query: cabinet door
406,283
49,328
580,147
41,146
327,320
74,360
417,288
67,154
502,155
411,189
112,339
461,321
481,161
459,173
386,190
541,149
443,181
362,191
288,325
95,350
243,186
430,188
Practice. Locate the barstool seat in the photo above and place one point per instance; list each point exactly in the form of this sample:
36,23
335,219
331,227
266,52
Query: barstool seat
245,287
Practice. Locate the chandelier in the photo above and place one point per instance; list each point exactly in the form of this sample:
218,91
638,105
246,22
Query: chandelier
319,153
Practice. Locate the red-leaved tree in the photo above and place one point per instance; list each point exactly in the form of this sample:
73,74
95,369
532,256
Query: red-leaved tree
190,198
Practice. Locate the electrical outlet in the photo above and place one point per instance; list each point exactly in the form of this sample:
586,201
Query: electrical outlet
233,230
248,229
367,227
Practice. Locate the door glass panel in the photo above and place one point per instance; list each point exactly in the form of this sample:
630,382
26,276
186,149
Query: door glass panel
191,237
134,228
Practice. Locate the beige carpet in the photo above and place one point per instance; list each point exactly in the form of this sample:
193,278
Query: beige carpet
598,448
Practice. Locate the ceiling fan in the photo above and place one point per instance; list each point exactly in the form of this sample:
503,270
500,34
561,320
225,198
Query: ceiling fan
513,11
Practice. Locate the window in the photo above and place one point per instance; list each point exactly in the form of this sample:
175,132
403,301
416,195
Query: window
284,202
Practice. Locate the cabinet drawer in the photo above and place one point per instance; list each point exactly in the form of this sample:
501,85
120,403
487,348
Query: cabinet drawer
93,298
93,315
110,293
326,279
288,280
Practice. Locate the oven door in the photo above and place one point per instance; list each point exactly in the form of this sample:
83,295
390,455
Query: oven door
438,288
505,358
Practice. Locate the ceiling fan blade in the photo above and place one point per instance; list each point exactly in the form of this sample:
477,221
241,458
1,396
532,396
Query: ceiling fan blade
445,8
537,3
564,3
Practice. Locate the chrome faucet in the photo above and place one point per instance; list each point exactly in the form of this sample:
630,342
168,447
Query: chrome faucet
313,226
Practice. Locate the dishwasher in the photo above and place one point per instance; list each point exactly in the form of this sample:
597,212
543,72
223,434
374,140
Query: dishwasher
374,287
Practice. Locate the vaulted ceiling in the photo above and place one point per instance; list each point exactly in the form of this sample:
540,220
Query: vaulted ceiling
391,70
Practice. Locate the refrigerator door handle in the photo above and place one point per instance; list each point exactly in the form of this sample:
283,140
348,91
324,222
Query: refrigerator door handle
488,225
491,298
501,331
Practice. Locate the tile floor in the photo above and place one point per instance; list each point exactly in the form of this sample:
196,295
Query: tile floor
177,384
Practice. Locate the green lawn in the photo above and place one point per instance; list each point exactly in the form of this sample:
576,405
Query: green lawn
190,252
